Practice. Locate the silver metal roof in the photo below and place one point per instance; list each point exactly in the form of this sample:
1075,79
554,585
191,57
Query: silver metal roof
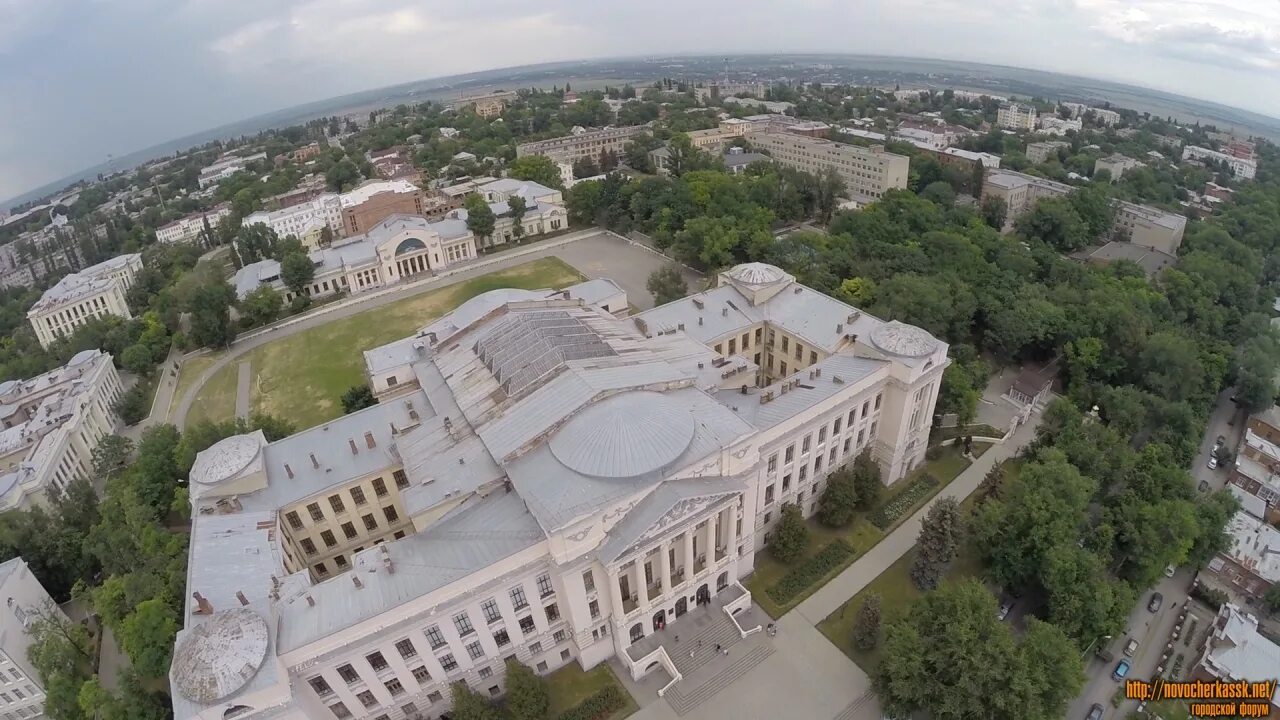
839,373
220,656
226,458
625,435
898,338
757,273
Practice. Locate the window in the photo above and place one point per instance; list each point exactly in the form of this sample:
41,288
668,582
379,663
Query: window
786,482
804,444
790,454
846,445
553,613
435,637
588,580
339,561
366,698
491,611
773,462
348,674
782,368
817,465
295,522
308,547
544,585
379,487
719,349
800,498
501,638
406,649
831,458
813,357
767,518
327,537
804,473
394,687
594,607
733,345
349,530
561,636
463,624
799,351
518,599
316,513
785,343
370,522
873,428
335,502
409,708
448,663
757,336
357,496
402,480
878,395
835,427
376,660
399,535
320,685
434,697
526,624
564,655
391,514
542,667
339,710
822,434
486,672
421,674
768,495
535,648
853,414
866,408
475,651
321,569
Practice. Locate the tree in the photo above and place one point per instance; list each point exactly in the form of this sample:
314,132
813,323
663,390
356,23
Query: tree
1271,601
110,455
866,480
62,653
537,168
480,218
467,705
262,306
939,192
790,536
839,499
211,315
683,157
1082,600
1055,221
516,208
137,359
297,271
357,397
255,242
937,544
585,167
527,696
866,625
667,284
1095,209
342,176
147,636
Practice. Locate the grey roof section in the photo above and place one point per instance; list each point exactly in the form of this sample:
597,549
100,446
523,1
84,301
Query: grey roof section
83,283
557,495
733,160
481,532
656,505
524,348
594,292
624,435
839,372
392,355
7,568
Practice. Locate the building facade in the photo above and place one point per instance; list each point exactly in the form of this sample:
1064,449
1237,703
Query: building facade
542,482
189,228
52,423
489,105
1236,651
225,167
868,172
302,219
1250,566
1242,167
1257,466
1116,164
1016,116
376,200
587,144
95,291
1040,151
21,692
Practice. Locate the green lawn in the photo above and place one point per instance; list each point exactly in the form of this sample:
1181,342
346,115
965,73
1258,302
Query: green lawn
216,401
860,534
300,378
569,686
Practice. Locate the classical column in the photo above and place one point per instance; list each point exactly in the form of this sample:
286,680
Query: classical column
731,530
664,568
711,540
688,553
637,582
615,594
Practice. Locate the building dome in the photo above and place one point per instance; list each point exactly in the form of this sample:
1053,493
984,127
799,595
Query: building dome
225,459
757,273
624,436
903,340
220,656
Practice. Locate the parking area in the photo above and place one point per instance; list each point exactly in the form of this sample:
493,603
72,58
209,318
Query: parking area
606,255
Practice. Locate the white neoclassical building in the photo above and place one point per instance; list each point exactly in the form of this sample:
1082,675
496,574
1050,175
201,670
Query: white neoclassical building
21,691
93,292
52,423
304,220
541,481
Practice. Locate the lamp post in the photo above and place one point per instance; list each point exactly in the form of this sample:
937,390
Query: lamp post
1104,638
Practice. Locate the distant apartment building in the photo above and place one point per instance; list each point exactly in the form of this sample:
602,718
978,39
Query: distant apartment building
21,692
1054,125
189,228
225,167
1235,651
309,188
1257,466
394,163
586,144
489,105
1105,117
1040,151
306,152
868,172
52,423
769,105
375,200
93,292
1116,164
1145,226
1243,168
1251,563
304,221
1016,116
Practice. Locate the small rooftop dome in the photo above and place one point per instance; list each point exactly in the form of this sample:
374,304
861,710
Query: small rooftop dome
226,458
757,273
903,340
624,436
219,657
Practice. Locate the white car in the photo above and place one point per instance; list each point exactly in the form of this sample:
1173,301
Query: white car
1170,570
1213,462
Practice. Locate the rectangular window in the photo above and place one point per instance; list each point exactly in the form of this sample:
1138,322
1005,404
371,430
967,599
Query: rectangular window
846,445
316,513
308,547
327,537
853,415
535,648
873,428
786,482
719,349
526,624
553,613
320,685
878,400
335,502
817,465
544,585
475,651
518,599
357,496
594,607
588,581
804,473
835,427
421,674
340,561
366,698
463,624
402,480
339,710
733,345
813,357
501,639
295,522
768,495
376,661
822,434
773,462
391,513
321,569
831,459
435,637
486,672
370,522
758,336
434,697
348,674
866,408
394,687
804,444
491,611
785,343
349,530
448,663
379,487
406,649
782,368
791,453
799,351
561,636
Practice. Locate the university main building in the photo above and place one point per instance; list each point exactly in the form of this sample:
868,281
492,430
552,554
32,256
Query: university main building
542,480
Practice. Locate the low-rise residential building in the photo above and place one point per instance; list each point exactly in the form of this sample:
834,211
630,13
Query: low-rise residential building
587,144
225,167
394,163
1038,152
1054,125
1016,116
544,210
932,138
543,482
375,200
1251,564
306,152
1242,167
21,693
868,172
1257,465
189,228
1116,164
736,160
769,105
303,220
488,105
1236,651
1106,118
93,292
52,423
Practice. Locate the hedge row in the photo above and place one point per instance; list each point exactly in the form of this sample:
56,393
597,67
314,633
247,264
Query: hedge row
810,571
601,705
885,515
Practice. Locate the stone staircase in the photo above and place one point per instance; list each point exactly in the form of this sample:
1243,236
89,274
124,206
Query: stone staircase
717,628
684,698
852,710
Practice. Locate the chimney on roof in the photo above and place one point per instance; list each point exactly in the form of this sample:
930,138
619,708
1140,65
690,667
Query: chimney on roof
448,424
352,443
288,471
311,602
680,326
240,596
853,316
369,441
203,606
697,302
413,414
839,328
386,560
724,312
315,464
699,319
431,338
356,580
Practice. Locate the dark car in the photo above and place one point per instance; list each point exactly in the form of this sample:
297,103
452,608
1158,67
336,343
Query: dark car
1157,600
1095,712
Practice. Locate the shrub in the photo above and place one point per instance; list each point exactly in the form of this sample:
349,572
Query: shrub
839,499
1209,596
889,513
866,626
791,536
601,705
810,571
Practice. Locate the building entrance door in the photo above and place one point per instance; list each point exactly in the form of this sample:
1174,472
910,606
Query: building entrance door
682,607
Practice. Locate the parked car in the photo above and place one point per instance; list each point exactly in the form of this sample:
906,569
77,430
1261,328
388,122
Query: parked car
1131,647
1157,600
1213,462
1220,442
1006,607
1095,712
1121,671
1204,486
1170,570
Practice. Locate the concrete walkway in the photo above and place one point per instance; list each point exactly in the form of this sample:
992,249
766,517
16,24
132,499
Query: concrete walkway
244,381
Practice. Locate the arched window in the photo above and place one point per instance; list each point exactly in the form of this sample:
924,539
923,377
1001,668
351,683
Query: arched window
722,582
637,632
410,245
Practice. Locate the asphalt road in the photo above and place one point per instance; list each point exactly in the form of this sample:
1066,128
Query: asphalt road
1152,630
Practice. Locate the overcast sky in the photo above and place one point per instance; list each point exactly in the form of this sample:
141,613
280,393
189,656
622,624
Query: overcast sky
82,79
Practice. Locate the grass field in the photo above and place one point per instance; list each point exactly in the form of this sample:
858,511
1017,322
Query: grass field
300,378
569,686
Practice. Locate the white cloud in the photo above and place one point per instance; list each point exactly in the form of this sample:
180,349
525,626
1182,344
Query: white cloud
1233,33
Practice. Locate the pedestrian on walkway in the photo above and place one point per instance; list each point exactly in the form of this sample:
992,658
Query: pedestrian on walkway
717,647
677,638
